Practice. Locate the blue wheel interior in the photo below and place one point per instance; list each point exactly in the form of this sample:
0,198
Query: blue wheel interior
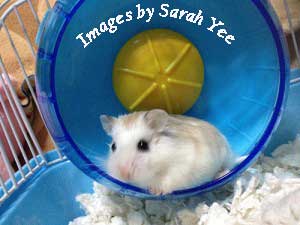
243,95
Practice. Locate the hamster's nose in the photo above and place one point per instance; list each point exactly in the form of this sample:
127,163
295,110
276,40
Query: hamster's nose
124,172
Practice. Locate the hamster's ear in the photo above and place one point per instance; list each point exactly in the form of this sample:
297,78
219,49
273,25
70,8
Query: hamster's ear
156,119
107,123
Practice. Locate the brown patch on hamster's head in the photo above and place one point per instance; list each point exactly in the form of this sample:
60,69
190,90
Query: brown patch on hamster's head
128,120
155,119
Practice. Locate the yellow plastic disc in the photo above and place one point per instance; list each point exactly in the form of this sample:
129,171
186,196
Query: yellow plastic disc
158,69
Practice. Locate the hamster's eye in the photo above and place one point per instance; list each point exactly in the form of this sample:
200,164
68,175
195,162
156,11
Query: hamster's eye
143,146
113,147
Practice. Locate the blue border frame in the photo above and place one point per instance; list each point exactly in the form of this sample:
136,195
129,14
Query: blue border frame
274,121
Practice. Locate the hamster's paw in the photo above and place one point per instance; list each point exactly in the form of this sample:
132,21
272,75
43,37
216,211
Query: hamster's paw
222,173
155,190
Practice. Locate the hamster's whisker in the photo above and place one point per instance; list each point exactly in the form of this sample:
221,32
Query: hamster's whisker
92,164
96,156
90,152
96,160
133,170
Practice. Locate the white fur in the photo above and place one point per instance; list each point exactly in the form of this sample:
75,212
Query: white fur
184,153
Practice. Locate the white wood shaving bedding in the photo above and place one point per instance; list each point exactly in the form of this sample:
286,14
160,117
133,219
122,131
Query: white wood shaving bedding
266,194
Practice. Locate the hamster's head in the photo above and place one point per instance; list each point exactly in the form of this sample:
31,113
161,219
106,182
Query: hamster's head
138,152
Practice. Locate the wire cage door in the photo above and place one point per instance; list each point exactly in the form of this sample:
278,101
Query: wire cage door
21,153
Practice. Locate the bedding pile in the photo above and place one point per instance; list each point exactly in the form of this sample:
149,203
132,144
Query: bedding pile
266,194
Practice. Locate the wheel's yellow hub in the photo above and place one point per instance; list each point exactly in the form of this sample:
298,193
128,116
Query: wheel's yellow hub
158,69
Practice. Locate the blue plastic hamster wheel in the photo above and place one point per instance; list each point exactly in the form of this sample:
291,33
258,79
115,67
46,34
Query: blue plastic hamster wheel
243,94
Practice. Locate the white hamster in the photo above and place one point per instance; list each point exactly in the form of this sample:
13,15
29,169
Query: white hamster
163,152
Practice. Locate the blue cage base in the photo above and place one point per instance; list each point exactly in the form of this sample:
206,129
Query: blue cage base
48,197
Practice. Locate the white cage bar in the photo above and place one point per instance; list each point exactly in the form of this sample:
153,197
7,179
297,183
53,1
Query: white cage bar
37,158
